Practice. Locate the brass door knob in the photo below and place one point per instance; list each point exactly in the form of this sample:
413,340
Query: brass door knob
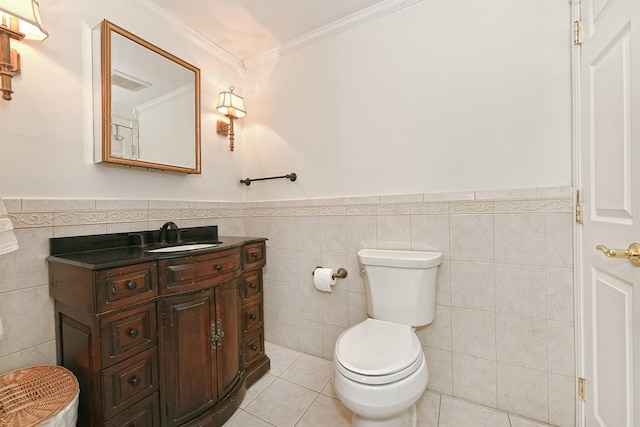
632,253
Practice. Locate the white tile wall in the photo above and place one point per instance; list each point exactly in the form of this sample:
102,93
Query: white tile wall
503,334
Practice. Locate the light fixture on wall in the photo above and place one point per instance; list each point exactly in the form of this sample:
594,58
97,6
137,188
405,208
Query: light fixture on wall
19,19
232,106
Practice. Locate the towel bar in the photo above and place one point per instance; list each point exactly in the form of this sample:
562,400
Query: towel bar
291,176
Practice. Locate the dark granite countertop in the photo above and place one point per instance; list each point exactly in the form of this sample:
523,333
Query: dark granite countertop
100,252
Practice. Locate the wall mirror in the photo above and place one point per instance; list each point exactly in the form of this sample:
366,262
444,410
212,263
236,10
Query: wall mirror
146,103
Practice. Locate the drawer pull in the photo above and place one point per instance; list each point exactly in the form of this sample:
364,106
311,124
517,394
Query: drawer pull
253,285
135,381
255,254
132,285
253,316
218,268
133,333
254,347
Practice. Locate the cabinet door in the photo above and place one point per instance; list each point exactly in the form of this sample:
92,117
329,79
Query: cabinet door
189,357
229,360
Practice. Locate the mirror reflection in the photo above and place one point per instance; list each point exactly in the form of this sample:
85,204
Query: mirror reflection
150,104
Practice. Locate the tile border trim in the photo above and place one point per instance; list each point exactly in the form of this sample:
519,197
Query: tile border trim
36,213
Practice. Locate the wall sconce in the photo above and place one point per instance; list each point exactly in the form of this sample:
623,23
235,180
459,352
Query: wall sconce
232,106
19,19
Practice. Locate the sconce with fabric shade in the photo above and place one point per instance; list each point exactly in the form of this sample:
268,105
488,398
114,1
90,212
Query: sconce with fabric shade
232,106
19,19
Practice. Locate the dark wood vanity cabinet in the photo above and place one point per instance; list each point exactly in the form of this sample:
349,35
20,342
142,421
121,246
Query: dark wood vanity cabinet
251,314
170,342
201,353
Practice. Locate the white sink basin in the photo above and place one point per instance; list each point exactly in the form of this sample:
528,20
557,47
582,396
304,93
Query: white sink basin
182,248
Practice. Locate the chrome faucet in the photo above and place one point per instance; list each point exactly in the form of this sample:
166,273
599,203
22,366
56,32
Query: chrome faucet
163,231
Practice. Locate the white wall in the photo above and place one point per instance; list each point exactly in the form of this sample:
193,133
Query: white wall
439,96
442,95
46,130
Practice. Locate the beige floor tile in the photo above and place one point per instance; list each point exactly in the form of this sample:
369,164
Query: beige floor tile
326,412
328,390
298,391
281,358
256,389
428,407
243,419
309,371
282,403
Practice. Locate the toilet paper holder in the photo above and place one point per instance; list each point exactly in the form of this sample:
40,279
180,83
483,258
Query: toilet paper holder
340,274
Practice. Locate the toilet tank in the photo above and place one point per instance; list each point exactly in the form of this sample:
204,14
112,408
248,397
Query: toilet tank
400,286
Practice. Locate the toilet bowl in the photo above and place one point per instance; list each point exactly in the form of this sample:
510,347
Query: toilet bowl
380,370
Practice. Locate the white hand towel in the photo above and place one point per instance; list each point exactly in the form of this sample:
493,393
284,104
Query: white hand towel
8,241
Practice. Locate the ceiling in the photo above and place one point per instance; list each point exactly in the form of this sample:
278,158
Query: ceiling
248,28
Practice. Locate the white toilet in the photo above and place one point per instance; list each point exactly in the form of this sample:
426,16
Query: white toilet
380,371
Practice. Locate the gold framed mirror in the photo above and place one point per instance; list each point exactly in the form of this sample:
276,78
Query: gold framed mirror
146,102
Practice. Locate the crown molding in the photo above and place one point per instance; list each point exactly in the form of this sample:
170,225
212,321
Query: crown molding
366,15
188,33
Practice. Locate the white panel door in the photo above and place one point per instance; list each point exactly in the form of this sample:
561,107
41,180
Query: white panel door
610,179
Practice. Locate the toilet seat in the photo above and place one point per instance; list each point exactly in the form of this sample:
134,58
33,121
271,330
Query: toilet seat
378,352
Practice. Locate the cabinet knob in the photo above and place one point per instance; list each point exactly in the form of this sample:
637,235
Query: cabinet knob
132,285
135,381
254,347
253,285
133,333
218,268
253,316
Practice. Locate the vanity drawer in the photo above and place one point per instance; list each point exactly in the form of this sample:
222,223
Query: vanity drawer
197,272
145,413
253,347
127,382
252,316
251,285
128,332
254,256
120,287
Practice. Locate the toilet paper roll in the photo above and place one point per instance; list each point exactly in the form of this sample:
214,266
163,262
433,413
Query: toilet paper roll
323,278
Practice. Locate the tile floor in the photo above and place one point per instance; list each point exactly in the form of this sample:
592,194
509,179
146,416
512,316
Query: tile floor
297,391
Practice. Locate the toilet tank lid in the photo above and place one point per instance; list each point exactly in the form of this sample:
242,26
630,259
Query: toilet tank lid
401,259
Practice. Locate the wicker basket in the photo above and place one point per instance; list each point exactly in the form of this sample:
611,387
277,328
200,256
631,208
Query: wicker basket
31,395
